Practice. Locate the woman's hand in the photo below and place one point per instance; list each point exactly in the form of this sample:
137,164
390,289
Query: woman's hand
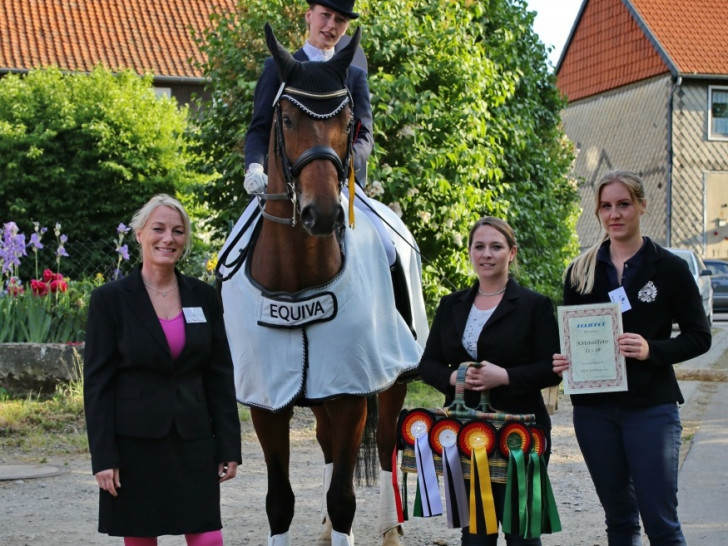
486,376
560,364
633,346
226,471
108,480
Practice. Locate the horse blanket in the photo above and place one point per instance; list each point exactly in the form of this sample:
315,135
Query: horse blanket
345,337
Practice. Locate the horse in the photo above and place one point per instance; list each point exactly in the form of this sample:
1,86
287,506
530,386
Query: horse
294,296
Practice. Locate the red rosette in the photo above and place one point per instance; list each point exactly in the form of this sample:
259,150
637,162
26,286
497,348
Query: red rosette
539,443
513,436
477,434
416,423
444,433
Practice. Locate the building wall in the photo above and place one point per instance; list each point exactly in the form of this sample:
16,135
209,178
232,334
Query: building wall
626,128
700,179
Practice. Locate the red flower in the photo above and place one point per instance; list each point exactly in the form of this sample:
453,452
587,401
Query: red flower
47,275
39,288
59,285
14,287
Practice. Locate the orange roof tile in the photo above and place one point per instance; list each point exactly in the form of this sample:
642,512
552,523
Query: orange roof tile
618,42
76,35
693,33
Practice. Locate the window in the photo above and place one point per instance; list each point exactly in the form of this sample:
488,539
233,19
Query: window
718,119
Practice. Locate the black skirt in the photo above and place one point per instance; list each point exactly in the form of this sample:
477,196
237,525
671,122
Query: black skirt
169,486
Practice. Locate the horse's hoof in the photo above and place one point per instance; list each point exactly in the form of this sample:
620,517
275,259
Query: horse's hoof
391,537
324,538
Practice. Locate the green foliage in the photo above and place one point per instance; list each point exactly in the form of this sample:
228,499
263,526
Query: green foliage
88,150
466,123
57,317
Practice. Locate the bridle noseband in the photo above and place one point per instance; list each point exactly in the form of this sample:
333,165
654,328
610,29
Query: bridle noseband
291,171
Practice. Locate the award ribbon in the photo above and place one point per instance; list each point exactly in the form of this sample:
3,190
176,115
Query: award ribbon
395,487
480,485
452,474
427,478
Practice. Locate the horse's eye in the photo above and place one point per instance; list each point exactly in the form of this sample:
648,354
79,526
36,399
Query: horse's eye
287,122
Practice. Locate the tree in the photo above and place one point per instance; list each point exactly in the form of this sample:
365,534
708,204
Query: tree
466,121
87,150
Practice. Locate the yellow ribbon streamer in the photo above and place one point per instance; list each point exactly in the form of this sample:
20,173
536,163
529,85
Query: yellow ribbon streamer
480,481
352,191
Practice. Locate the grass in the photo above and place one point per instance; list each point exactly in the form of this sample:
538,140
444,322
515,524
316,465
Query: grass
421,395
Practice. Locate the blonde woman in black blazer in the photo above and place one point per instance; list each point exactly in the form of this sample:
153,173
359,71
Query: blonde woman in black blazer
631,440
511,330
159,396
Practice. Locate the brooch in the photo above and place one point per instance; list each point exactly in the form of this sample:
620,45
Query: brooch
648,293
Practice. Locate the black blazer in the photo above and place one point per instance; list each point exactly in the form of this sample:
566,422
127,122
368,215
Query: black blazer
521,336
258,135
132,387
675,298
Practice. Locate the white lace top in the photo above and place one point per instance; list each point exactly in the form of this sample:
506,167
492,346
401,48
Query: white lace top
476,320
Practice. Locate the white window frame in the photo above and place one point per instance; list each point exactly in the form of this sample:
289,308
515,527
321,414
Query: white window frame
166,92
715,135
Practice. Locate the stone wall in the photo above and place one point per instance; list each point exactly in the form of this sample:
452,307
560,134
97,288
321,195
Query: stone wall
38,367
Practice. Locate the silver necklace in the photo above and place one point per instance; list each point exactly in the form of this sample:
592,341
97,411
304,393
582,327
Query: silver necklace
488,294
162,292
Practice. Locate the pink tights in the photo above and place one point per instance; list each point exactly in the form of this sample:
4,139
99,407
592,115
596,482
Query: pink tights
211,538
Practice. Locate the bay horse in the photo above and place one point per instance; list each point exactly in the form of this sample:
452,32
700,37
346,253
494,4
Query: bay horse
311,318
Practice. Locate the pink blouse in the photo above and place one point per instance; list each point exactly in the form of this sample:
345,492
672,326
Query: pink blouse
174,331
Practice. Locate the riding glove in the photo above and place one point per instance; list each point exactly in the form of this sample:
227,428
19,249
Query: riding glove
255,179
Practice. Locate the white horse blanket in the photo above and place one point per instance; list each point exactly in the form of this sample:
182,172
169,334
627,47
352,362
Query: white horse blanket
345,337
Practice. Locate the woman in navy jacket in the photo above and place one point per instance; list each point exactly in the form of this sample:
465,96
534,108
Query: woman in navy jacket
159,397
509,329
631,440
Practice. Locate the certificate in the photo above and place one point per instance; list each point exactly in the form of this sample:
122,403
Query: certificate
588,336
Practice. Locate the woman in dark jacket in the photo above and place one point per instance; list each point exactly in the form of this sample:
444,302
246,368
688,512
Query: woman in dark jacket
509,329
631,439
159,397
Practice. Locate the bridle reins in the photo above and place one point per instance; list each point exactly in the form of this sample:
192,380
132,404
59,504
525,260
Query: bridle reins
291,170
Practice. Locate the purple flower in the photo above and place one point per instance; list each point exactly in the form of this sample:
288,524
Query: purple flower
123,251
35,242
12,247
61,250
122,229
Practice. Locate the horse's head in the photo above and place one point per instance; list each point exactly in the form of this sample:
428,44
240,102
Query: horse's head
311,138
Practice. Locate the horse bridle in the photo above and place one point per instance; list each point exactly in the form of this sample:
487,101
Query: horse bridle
292,170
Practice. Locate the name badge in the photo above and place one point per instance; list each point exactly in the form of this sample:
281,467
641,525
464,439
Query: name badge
618,295
290,313
194,314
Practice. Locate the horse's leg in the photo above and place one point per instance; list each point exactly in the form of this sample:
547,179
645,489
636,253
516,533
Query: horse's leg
323,436
346,417
272,431
390,405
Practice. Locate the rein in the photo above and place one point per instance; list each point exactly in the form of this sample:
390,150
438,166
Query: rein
291,171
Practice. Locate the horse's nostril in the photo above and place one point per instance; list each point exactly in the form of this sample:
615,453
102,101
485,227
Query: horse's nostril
340,218
309,217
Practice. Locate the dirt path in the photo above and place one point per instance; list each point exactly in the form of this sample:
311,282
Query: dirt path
61,510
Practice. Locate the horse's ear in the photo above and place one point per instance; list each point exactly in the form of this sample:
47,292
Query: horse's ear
283,60
342,58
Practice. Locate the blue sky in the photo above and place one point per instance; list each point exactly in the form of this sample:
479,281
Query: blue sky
554,19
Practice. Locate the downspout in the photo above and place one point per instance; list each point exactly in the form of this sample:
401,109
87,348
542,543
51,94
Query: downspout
677,81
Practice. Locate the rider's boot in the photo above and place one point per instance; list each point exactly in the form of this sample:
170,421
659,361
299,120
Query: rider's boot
280,540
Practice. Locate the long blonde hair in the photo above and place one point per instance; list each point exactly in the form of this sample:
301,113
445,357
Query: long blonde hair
583,268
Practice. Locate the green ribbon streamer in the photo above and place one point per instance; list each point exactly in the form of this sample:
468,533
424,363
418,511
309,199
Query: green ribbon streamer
515,487
417,509
534,515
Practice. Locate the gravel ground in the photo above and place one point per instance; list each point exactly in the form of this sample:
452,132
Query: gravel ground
61,510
